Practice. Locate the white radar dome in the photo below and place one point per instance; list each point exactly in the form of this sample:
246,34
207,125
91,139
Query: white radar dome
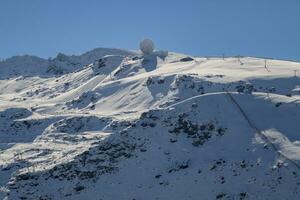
147,46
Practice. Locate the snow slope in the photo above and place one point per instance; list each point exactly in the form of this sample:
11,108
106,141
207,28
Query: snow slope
112,124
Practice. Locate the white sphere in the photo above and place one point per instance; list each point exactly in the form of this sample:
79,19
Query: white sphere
147,46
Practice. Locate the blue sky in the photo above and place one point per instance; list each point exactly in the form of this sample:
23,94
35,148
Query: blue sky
267,28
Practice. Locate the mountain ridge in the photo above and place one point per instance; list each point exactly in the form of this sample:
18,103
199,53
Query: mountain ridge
121,125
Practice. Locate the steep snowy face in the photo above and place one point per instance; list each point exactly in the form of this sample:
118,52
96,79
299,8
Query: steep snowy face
22,65
114,124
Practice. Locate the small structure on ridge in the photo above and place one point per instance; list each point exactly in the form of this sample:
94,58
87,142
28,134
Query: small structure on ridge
147,46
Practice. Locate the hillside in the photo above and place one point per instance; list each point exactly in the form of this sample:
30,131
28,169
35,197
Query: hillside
112,124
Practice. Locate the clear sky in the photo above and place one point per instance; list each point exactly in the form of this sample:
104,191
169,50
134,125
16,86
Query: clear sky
267,28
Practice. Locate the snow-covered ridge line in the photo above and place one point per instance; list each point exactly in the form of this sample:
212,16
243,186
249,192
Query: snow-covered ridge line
99,50
34,66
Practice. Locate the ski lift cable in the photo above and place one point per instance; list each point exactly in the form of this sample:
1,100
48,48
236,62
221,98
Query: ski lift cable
259,132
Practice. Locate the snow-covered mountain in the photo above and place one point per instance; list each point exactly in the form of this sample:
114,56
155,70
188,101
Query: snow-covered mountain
111,124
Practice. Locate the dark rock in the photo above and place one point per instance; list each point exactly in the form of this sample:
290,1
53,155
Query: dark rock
220,195
158,176
79,188
173,140
186,59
